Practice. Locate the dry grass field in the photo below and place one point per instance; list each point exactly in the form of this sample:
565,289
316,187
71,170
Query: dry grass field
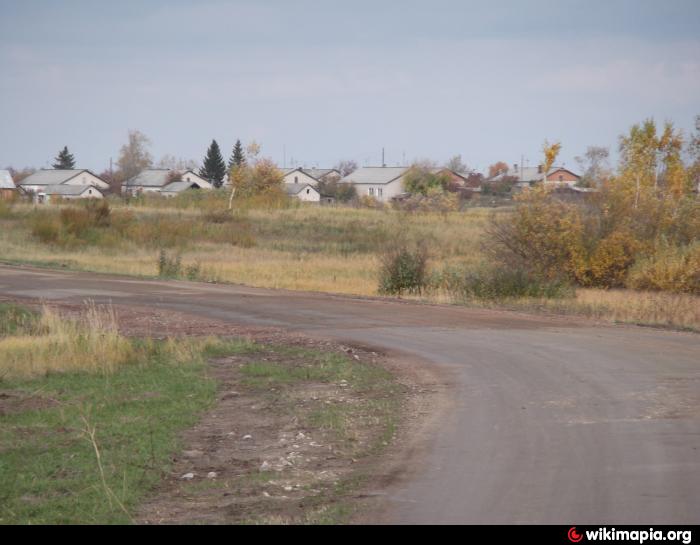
328,249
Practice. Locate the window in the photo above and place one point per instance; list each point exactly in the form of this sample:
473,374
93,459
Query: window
296,179
308,191
380,191
371,192
561,178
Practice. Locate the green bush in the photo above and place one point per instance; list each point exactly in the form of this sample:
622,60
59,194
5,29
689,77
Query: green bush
404,269
169,266
497,284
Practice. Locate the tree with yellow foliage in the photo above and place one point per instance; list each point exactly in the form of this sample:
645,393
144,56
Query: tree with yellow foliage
636,216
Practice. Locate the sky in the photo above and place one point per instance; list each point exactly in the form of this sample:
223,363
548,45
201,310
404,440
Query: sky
317,81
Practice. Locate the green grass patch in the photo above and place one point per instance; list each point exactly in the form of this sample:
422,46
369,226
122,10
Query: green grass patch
49,472
16,319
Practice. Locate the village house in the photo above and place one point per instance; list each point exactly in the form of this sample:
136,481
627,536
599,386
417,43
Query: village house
46,180
65,192
527,176
387,183
8,190
381,183
302,191
164,180
309,175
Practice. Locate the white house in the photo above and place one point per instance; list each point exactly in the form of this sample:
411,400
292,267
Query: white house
42,179
66,192
302,191
381,183
154,180
309,175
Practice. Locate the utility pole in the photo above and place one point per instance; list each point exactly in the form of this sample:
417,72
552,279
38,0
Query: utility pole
383,163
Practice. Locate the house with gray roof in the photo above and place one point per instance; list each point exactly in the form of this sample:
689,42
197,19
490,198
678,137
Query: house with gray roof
175,188
309,175
302,191
41,179
7,185
381,183
155,180
66,192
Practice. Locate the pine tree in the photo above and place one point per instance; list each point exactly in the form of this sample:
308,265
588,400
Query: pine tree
237,157
214,168
64,160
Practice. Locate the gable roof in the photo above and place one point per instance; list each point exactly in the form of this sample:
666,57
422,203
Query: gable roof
295,189
375,175
69,190
176,187
151,177
315,173
55,176
527,174
6,181
319,173
559,169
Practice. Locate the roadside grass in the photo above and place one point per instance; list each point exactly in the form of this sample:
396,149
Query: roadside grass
16,319
84,444
90,424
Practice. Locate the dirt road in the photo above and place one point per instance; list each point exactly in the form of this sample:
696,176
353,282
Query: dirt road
551,421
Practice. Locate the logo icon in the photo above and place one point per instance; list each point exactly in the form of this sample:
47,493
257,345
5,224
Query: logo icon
574,536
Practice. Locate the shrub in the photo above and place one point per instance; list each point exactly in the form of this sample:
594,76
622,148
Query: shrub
403,270
169,266
46,228
675,269
610,261
498,283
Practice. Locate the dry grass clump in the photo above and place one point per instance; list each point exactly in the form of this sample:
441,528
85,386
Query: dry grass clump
58,345
50,343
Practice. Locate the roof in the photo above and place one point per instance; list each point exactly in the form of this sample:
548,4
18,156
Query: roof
526,174
6,181
295,189
63,189
319,173
375,175
52,176
315,173
176,187
152,177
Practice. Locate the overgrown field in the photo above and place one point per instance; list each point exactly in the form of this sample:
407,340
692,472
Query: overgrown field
283,245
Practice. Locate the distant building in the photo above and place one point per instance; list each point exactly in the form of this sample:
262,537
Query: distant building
381,183
66,192
302,191
8,190
175,188
526,176
309,175
155,180
387,183
43,179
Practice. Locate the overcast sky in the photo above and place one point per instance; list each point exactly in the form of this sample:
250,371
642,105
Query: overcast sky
326,80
